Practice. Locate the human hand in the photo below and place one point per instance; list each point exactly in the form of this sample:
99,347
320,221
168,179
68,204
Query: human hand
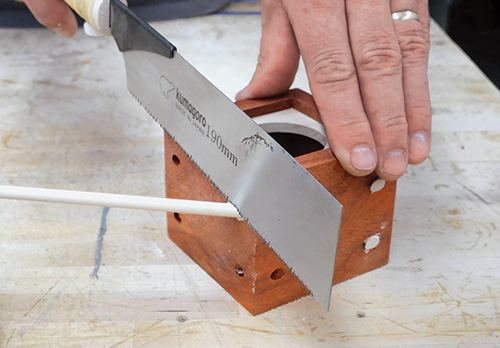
54,14
366,71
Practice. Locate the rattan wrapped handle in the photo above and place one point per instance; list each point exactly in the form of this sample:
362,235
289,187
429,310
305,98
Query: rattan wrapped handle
95,13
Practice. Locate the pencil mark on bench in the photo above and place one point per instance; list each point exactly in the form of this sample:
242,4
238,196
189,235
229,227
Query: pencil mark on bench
100,242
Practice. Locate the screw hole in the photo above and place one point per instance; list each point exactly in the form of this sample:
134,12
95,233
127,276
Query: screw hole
177,217
239,271
278,274
176,160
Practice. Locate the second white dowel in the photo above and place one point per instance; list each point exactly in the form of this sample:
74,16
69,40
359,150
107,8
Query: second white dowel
119,201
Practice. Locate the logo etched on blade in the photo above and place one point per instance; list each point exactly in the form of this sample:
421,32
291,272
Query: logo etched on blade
166,87
255,140
250,145
188,109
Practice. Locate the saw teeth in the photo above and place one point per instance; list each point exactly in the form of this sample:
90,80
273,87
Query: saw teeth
245,219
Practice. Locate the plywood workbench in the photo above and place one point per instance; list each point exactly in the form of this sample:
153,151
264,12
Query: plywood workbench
92,277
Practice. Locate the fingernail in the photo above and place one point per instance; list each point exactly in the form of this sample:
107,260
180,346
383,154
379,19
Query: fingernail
363,158
419,145
63,31
395,163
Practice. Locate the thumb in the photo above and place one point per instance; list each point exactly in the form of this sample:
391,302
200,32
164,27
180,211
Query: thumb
279,55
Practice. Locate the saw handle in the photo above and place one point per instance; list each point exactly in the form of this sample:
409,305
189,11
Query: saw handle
95,13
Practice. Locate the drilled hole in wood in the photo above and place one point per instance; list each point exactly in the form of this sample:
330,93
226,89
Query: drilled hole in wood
177,217
176,160
239,271
296,132
277,274
296,144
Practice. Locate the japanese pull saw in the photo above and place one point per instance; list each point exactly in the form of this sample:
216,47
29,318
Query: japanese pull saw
278,198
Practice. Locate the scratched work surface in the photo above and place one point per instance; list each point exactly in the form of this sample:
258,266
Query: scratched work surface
91,277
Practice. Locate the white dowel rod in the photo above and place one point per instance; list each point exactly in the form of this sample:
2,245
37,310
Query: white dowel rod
119,201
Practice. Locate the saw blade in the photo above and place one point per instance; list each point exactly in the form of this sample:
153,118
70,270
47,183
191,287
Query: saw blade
280,200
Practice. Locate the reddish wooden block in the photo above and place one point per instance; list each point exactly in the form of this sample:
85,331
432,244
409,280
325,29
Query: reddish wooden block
238,259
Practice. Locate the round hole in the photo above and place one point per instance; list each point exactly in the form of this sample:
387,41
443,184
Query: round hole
278,274
296,144
239,271
177,217
176,160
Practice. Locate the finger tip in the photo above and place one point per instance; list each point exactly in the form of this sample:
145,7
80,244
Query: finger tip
358,173
419,147
66,29
416,160
362,160
65,32
382,174
241,95
389,177
393,165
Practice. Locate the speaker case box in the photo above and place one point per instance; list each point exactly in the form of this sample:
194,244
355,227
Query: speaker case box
239,260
